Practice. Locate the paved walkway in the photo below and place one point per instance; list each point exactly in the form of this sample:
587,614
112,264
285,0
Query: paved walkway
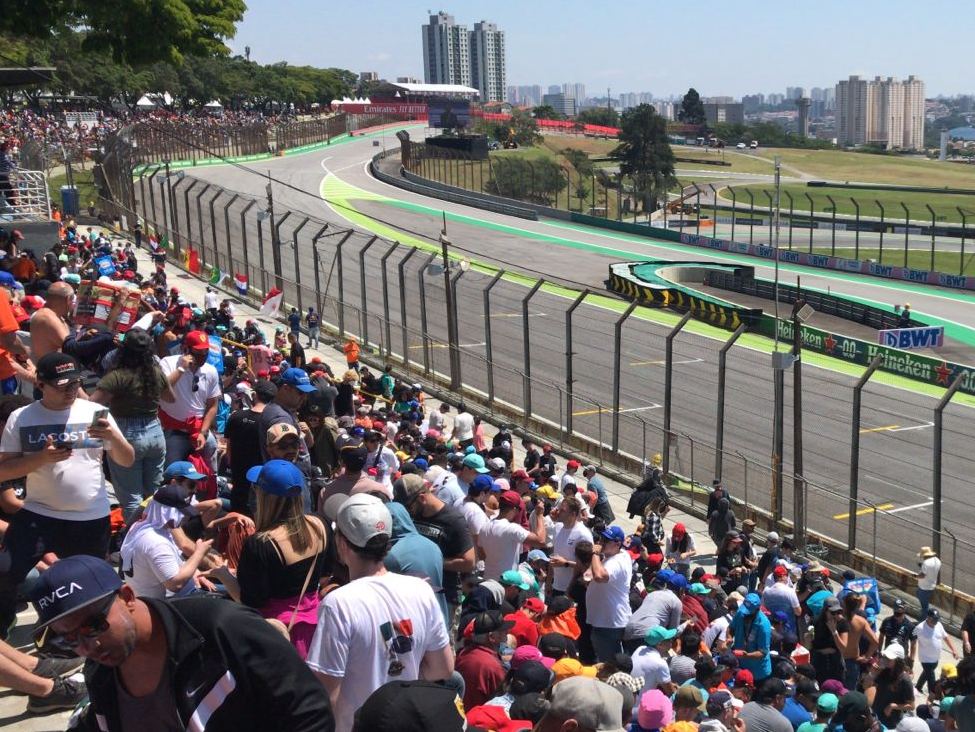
13,705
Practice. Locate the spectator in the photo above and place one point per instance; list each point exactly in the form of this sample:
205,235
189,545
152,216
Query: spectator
583,704
500,541
142,646
720,521
825,708
133,390
899,628
780,596
929,567
752,635
151,561
188,420
661,606
242,445
679,550
888,688
569,530
293,388
929,634
478,661
415,555
607,599
58,444
764,713
381,626
351,351
312,322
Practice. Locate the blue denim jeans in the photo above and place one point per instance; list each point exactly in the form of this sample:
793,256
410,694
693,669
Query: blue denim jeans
313,337
924,597
178,447
607,642
141,479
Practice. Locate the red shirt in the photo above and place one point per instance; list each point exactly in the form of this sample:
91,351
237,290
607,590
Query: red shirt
482,671
525,630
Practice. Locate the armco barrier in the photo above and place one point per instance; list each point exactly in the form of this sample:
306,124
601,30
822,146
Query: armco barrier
656,289
936,372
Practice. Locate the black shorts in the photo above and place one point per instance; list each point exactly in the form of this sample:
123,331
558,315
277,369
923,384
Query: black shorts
30,536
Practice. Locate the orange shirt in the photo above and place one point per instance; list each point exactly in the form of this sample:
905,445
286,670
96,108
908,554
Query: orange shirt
8,324
24,268
351,351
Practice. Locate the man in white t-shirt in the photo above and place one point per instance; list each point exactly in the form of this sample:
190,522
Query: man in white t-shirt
781,596
58,443
187,421
569,531
210,301
927,576
569,476
500,541
463,431
650,660
380,627
930,634
608,595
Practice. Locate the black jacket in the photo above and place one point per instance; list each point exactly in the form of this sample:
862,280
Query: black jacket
229,667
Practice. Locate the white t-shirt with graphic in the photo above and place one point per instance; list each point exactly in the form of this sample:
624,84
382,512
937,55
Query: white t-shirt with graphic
357,625
73,489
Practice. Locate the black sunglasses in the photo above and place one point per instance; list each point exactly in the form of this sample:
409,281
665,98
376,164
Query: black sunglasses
94,626
196,382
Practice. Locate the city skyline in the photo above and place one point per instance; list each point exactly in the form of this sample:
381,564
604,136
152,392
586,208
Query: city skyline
756,49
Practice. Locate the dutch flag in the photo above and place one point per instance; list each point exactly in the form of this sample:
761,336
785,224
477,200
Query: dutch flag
240,281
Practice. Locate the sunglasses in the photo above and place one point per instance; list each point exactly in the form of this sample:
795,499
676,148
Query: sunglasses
397,646
90,630
196,382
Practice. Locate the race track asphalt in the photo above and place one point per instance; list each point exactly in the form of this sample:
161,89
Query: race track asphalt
895,460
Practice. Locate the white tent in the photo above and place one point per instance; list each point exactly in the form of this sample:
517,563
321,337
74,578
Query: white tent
154,100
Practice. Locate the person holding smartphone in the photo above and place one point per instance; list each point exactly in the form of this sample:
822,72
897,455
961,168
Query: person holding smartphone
57,443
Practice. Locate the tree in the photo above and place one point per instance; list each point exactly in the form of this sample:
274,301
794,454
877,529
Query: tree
546,111
135,32
603,116
523,180
580,161
526,129
691,108
644,153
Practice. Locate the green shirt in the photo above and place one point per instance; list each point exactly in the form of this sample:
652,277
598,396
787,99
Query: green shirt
128,392
811,727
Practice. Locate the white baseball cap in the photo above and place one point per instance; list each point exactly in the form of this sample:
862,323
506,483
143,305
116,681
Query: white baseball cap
362,517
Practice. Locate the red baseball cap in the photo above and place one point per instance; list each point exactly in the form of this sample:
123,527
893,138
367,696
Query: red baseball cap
511,498
573,464
744,678
196,340
520,474
263,374
534,604
780,571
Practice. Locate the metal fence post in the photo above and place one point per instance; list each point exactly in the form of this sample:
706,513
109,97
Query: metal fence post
213,230
668,388
526,336
880,255
363,299
791,219
276,248
907,227
173,208
734,206
382,271
832,205
933,217
751,218
260,253
226,226
488,343
401,272
186,207
812,222
722,364
422,288
199,217
964,235
317,266
771,222
617,357
457,373
936,462
569,353
714,209
243,236
340,272
851,539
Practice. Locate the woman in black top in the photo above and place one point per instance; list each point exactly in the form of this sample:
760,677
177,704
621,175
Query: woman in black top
890,690
829,637
346,390
287,550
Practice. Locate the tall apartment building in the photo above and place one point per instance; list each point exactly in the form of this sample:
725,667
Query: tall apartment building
883,111
488,73
446,51
667,110
528,96
721,112
576,91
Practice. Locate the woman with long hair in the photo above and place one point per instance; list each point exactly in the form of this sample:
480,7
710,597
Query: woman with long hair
132,391
281,564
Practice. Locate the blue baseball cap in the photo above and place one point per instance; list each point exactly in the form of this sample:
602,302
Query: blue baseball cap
422,464
182,469
70,584
480,484
677,581
277,477
475,461
298,379
753,602
536,554
614,533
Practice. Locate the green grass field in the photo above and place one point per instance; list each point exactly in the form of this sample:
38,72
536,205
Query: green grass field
945,206
740,162
82,178
839,165
916,258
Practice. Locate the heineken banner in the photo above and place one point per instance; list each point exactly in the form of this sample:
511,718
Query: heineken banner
825,261
935,371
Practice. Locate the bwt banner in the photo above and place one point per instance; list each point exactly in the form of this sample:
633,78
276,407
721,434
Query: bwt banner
910,338
823,261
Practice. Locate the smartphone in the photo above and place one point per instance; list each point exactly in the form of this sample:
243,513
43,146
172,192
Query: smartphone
64,444
100,414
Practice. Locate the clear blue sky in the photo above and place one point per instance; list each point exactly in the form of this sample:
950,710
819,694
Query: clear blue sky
720,48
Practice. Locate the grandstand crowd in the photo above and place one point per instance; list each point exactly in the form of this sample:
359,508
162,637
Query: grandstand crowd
221,529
